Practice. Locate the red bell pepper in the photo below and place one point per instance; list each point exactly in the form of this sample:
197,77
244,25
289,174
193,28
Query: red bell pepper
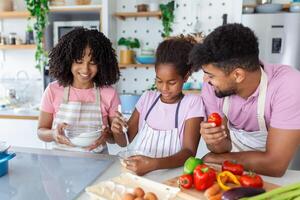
186,181
204,177
233,167
251,180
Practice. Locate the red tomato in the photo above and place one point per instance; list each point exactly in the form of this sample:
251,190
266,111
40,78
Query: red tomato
204,177
233,167
186,181
215,118
251,180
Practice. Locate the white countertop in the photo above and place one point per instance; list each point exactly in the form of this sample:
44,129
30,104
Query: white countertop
291,176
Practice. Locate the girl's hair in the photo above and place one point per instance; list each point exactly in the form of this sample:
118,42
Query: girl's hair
175,51
71,48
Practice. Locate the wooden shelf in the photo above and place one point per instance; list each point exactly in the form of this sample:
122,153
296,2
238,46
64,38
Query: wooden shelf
191,91
14,14
124,15
76,8
135,65
21,46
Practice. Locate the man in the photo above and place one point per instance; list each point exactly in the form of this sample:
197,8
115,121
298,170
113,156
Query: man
259,102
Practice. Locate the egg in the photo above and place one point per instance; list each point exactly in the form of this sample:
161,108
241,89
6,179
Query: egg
128,196
139,198
138,192
150,196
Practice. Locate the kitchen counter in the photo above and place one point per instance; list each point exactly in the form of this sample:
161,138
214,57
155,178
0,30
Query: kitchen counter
19,113
64,179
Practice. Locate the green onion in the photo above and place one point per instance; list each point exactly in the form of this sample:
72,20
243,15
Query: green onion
276,191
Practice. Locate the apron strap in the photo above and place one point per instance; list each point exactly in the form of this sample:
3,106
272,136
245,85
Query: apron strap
156,100
177,111
66,94
260,102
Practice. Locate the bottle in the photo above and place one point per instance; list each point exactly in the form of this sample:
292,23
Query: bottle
12,38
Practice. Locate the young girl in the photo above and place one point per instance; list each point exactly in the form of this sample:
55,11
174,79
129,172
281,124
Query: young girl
84,65
165,124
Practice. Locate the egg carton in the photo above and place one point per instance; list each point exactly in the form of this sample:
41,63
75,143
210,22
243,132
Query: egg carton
115,188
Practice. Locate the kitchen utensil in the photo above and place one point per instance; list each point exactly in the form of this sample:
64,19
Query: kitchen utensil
145,59
269,8
124,129
4,158
82,137
128,102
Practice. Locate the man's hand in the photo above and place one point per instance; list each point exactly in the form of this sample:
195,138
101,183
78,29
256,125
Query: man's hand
212,134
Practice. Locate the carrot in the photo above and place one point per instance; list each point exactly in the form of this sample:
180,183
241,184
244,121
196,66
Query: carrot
212,190
216,197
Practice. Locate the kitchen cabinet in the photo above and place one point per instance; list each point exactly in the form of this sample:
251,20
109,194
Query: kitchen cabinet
20,132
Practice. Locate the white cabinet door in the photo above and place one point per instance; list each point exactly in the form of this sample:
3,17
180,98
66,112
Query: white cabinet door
21,133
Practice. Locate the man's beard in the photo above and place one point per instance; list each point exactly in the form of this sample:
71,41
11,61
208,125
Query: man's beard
221,94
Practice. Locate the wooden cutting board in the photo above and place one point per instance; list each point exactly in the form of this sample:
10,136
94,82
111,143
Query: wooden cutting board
193,194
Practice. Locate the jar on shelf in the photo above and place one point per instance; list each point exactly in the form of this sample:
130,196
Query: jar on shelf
12,38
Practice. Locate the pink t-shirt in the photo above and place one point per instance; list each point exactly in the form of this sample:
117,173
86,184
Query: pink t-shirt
162,116
53,97
282,106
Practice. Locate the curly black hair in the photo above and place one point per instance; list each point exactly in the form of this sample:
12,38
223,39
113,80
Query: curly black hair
71,48
228,47
175,51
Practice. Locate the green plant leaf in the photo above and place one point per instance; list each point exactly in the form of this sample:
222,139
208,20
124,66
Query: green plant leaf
39,9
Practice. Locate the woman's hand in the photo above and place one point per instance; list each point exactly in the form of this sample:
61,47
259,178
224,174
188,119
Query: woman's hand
59,135
140,164
105,133
118,123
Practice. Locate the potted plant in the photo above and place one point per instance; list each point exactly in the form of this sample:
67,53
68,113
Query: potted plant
39,10
127,55
167,12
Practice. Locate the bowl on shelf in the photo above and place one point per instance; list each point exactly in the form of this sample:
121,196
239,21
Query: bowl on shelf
82,137
145,59
268,8
187,86
295,7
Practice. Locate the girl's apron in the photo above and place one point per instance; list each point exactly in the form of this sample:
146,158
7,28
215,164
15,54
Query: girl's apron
255,140
81,114
158,143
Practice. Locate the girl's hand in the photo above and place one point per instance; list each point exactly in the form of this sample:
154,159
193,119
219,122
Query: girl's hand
101,140
59,135
118,123
140,164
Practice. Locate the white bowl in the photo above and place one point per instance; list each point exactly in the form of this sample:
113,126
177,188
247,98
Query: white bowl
82,137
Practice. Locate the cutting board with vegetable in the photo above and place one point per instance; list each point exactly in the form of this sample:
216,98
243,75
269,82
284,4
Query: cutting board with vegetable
193,194
208,181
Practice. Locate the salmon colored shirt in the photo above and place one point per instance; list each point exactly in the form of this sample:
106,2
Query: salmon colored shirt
53,97
282,106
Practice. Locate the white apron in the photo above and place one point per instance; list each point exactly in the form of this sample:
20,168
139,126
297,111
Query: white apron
255,140
158,143
82,114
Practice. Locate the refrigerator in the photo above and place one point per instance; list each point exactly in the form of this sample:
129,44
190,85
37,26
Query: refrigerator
279,42
278,36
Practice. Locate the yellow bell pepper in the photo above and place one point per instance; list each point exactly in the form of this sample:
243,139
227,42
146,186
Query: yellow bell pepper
231,178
